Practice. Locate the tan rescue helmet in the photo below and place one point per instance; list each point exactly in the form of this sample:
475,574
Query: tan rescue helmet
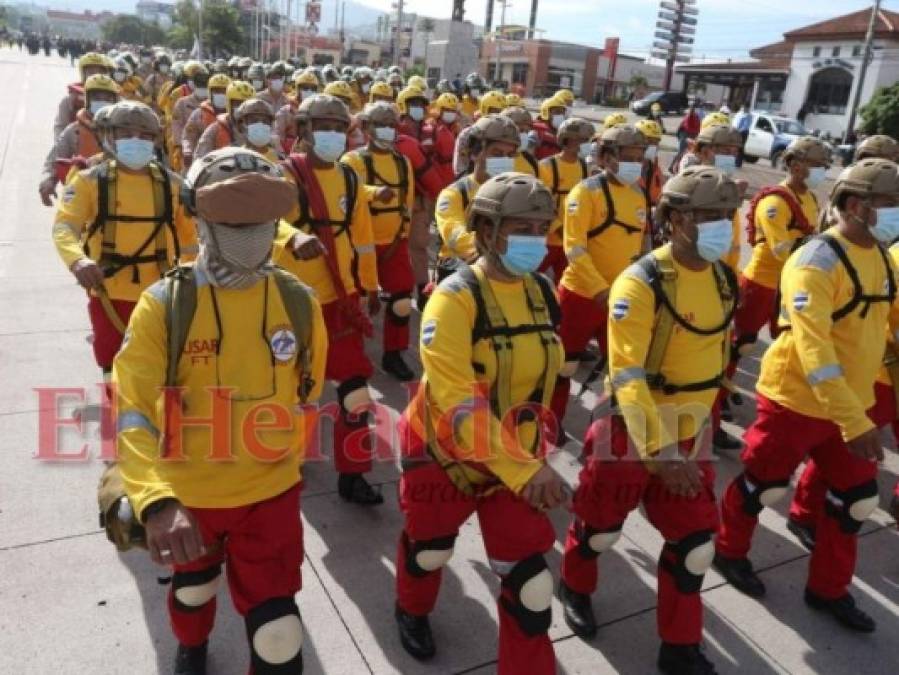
700,187
253,106
867,178
324,107
575,128
495,129
807,149
133,115
622,136
512,195
878,145
518,115
719,134
381,114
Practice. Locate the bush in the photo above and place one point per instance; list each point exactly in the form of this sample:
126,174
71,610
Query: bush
881,114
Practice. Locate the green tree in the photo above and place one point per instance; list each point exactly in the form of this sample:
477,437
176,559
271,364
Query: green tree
638,81
222,33
881,114
132,30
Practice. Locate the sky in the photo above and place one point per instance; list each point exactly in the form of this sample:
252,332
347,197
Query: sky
726,28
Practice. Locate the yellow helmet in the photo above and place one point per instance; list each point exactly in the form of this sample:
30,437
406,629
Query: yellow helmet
715,118
219,81
340,89
101,83
613,120
418,82
566,96
447,102
92,59
492,99
549,104
410,93
514,101
192,68
380,89
306,78
238,92
650,128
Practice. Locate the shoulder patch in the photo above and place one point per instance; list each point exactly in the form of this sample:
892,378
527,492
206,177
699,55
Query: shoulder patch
621,308
68,194
816,253
428,332
443,204
635,271
572,206
771,212
801,300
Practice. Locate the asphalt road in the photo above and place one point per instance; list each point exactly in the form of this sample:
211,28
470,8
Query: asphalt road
70,604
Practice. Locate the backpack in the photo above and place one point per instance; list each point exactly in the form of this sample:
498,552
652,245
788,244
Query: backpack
350,181
554,165
603,181
798,221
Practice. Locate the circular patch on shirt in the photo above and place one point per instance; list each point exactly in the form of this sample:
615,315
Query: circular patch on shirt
284,344
428,332
801,300
620,309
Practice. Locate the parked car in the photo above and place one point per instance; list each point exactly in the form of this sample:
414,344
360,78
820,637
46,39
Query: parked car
671,102
769,135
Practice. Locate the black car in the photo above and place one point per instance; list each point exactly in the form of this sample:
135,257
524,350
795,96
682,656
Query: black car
671,102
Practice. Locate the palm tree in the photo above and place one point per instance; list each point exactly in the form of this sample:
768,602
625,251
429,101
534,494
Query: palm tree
427,27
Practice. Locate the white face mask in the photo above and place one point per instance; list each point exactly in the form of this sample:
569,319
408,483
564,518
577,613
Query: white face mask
219,101
259,134
257,84
119,76
97,106
585,150
448,116
329,145
276,85
557,121
386,135
652,151
417,113
497,165
629,172
365,87
163,68
306,93
201,93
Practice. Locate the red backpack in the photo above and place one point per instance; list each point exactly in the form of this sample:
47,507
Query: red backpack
798,220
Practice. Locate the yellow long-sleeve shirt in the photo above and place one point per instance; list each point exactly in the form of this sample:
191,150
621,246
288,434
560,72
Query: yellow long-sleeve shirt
821,368
450,382
469,106
356,242
561,182
386,171
883,375
656,420
256,452
595,262
77,210
774,242
525,164
451,214
732,258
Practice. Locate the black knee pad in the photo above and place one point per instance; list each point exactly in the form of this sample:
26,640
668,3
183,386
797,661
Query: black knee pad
344,388
202,581
531,586
392,316
739,343
591,542
688,560
441,547
759,494
853,506
275,634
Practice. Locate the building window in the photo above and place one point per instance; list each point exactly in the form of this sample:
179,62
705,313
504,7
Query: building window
816,51
857,50
828,93
835,52
520,73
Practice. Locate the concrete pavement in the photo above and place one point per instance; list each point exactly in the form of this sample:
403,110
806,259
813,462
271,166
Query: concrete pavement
70,604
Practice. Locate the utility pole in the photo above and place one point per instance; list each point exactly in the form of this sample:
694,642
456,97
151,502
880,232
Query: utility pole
200,32
869,40
398,55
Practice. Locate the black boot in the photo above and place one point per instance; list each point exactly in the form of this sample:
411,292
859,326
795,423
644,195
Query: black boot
578,612
684,660
736,398
393,364
415,634
724,441
353,488
421,297
727,414
804,533
894,508
739,572
191,660
843,610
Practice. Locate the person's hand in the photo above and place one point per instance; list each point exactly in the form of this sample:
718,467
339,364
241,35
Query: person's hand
680,477
867,446
47,191
306,246
374,303
173,535
545,490
384,195
87,273
602,300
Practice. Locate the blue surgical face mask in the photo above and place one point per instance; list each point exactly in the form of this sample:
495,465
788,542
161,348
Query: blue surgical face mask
585,150
887,227
417,113
498,165
816,176
714,239
524,253
385,134
629,172
652,151
329,145
97,106
524,139
557,121
135,153
727,163
259,134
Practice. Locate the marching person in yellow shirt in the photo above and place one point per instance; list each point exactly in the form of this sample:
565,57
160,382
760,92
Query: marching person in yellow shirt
816,391
321,241
603,232
525,162
390,174
489,348
669,337
561,173
227,341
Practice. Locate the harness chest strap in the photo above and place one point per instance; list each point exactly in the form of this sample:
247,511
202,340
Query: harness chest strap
375,178
557,180
610,220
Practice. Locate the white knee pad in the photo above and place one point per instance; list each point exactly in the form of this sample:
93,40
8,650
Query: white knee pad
862,509
603,541
433,560
198,595
568,369
402,307
537,592
357,400
279,640
772,495
699,560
